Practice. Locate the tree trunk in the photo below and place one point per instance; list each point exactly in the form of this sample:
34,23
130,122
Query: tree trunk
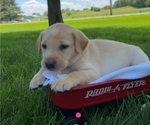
110,7
54,12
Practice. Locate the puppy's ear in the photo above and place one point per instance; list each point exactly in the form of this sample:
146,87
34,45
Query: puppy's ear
38,43
80,40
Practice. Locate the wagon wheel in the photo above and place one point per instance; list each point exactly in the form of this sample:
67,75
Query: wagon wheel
72,120
144,105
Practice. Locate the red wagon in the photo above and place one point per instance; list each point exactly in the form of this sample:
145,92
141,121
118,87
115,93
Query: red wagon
98,93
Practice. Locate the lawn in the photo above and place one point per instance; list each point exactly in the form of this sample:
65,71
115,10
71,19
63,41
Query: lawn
105,12
87,13
20,61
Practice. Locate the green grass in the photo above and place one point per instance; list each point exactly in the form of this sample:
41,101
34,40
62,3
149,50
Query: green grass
105,12
20,61
102,13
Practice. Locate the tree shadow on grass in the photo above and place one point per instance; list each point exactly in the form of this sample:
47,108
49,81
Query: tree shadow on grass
137,36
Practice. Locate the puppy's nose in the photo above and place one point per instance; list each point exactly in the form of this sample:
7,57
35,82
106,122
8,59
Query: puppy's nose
50,65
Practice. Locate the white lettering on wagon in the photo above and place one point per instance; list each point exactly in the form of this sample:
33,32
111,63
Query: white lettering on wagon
133,84
110,89
97,92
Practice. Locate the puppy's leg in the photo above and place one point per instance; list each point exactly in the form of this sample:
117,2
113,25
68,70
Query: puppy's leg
37,80
73,79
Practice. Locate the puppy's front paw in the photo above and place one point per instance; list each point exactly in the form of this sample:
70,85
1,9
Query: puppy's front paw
62,85
36,82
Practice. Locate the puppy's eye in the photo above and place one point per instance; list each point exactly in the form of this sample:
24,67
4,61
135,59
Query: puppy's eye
44,46
63,47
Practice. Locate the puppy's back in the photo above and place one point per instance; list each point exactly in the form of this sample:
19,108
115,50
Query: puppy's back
112,55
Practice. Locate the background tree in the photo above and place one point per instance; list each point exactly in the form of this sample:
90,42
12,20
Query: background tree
95,8
9,10
134,3
147,3
36,14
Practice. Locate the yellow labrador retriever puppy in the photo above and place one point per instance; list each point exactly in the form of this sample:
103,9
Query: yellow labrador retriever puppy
68,50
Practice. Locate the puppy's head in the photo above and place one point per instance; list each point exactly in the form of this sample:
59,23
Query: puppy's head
61,46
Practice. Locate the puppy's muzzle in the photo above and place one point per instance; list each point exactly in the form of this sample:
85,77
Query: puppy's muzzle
51,65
